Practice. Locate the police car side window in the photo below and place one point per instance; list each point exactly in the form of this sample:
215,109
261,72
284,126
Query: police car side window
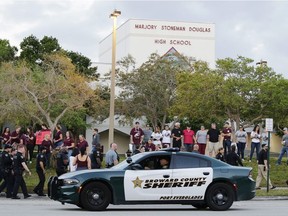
153,162
181,161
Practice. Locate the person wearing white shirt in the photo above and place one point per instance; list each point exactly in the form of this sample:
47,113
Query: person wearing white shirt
157,137
255,142
166,134
72,167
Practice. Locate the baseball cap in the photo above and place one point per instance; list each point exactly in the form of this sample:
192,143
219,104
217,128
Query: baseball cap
285,128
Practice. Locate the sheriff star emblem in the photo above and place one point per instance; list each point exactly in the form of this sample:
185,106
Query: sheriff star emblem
137,182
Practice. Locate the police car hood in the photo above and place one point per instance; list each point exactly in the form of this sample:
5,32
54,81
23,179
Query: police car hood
84,172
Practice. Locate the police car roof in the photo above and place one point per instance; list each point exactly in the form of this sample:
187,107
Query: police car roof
171,149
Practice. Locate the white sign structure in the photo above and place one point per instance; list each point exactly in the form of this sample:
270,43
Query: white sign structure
269,124
141,38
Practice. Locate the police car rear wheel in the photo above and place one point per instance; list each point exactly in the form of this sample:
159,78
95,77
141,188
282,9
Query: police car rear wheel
220,197
95,196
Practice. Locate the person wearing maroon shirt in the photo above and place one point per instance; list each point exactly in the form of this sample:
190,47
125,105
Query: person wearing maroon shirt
47,143
15,135
68,143
58,139
6,136
136,136
30,143
82,142
226,134
149,146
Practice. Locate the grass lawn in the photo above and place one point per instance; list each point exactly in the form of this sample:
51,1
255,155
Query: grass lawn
278,176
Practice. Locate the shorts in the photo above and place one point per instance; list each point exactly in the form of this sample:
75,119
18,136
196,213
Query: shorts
213,146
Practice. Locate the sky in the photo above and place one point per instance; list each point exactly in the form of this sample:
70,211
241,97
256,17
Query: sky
253,29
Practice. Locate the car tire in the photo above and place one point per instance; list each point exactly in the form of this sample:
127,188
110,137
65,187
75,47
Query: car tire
219,197
95,196
200,205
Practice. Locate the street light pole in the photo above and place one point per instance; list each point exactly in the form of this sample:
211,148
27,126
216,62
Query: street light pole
114,15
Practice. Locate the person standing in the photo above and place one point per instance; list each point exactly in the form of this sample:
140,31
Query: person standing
111,157
6,170
69,143
188,139
82,143
96,157
6,136
62,162
147,134
255,142
166,134
40,169
233,158
31,138
241,139
47,143
201,140
213,136
227,135
15,135
284,147
58,138
156,137
263,167
177,136
73,167
82,160
95,139
136,136
19,166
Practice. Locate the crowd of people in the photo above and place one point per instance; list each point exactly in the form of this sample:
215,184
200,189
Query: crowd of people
213,142
67,155
18,150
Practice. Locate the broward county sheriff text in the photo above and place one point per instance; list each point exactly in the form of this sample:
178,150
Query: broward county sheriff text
172,183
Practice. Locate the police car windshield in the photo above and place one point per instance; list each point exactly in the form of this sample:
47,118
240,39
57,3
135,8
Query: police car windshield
124,163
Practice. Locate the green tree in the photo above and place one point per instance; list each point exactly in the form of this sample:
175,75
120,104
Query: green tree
83,64
34,50
149,90
7,52
198,95
45,92
235,90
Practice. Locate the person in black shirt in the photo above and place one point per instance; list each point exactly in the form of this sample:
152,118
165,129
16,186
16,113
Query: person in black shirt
220,154
6,170
40,169
233,158
177,136
19,166
263,167
213,136
62,162
96,157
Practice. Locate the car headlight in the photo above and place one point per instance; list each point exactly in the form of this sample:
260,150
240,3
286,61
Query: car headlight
70,181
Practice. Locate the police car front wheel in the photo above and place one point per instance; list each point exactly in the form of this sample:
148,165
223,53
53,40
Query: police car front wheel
95,196
220,197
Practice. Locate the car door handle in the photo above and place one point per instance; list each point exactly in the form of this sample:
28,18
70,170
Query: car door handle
206,173
166,176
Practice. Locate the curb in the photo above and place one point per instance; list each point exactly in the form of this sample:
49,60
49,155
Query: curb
264,198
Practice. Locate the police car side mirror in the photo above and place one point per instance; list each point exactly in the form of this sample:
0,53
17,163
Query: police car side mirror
129,160
136,167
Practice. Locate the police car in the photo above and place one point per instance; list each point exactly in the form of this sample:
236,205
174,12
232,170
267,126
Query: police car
188,178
